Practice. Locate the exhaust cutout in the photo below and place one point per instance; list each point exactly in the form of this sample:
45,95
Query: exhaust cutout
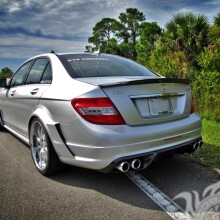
148,160
123,167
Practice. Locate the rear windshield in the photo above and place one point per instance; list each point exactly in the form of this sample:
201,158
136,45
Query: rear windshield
101,65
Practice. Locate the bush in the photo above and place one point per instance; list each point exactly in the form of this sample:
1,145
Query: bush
206,93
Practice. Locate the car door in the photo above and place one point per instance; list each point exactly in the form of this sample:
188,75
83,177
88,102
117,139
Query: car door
8,95
28,95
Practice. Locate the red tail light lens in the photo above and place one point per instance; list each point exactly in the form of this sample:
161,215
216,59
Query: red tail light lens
98,111
192,110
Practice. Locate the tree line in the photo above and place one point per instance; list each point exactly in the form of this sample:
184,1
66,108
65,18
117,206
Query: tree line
188,47
6,73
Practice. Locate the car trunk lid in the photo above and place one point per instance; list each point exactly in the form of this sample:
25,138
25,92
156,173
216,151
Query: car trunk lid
148,100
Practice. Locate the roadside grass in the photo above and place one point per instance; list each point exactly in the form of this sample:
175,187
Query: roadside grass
209,154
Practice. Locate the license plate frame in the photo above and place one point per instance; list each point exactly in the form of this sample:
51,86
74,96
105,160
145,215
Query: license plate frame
160,106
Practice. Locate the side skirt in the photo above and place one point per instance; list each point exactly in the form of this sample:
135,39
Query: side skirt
23,138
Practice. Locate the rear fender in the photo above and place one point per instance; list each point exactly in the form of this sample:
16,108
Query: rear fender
52,129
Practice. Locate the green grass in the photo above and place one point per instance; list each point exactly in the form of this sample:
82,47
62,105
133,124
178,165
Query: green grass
209,154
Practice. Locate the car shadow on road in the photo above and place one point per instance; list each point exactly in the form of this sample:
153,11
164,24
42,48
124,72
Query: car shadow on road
172,176
113,185
2,130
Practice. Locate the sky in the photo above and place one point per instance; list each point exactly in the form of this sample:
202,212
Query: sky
32,27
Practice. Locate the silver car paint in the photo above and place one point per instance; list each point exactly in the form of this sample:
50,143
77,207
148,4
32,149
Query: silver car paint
96,146
101,146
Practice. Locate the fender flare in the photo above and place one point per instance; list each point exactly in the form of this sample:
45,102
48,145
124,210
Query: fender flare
53,131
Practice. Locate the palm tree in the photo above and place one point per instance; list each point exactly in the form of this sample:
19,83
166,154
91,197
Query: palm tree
214,31
188,33
217,20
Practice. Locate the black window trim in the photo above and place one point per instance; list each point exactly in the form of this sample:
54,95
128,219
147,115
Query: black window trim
67,66
44,73
32,60
43,57
49,63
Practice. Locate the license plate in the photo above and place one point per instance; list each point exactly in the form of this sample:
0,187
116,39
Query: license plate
160,106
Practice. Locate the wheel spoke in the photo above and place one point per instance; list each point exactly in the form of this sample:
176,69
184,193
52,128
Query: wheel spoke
44,142
39,133
39,145
44,155
41,163
38,140
35,132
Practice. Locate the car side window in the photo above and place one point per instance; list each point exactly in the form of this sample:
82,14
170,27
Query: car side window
21,74
47,76
37,71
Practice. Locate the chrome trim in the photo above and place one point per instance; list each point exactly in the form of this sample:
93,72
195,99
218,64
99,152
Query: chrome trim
156,95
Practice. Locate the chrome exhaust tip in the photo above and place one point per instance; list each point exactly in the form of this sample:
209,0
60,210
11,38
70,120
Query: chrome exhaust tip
195,146
135,164
123,167
200,144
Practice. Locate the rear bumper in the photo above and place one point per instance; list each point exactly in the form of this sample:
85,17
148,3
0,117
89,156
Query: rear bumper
102,147
147,158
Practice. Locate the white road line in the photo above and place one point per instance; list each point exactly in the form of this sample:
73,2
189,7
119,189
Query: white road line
167,204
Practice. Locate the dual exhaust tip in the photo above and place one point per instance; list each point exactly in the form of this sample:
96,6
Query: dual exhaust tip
197,145
135,164
125,166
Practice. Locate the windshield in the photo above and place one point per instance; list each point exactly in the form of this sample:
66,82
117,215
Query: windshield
102,65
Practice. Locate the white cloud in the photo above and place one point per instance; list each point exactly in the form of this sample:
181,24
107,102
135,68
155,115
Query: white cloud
14,7
68,18
186,10
213,2
26,47
74,19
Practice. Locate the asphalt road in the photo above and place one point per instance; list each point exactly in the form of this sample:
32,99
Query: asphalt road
85,194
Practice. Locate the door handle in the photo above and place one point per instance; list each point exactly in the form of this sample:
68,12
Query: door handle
34,91
12,93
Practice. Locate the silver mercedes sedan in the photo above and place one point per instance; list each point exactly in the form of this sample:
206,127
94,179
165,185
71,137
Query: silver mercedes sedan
97,111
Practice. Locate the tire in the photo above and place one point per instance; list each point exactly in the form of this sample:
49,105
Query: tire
1,127
43,154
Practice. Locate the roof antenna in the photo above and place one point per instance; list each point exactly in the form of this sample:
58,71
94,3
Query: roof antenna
52,51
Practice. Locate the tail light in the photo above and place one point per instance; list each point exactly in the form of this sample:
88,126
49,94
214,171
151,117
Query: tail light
192,110
98,111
